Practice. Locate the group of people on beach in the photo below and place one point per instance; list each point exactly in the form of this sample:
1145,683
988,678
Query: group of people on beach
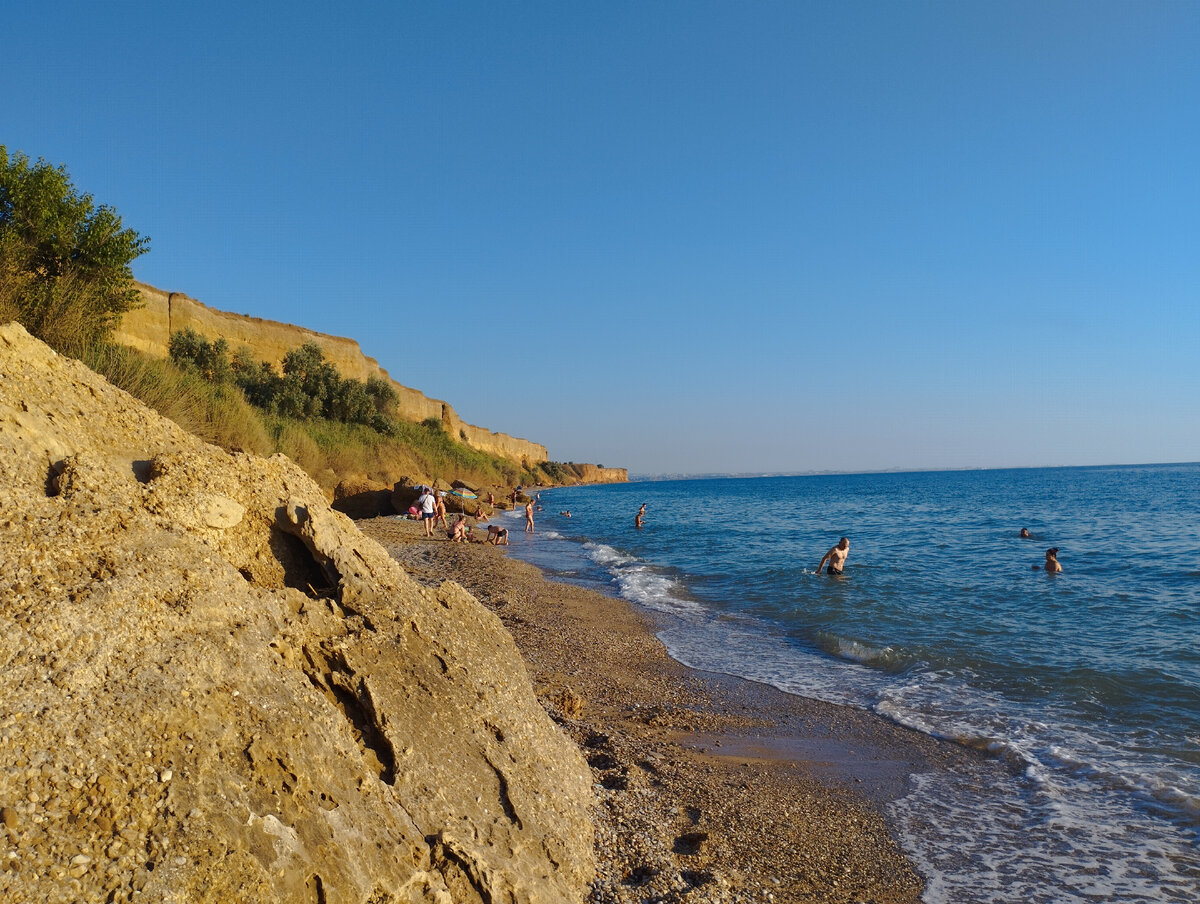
430,507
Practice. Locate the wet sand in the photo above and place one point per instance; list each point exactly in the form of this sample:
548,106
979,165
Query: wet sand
709,788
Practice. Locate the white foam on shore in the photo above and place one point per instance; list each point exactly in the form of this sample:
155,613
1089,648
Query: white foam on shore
639,582
1066,823
1046,845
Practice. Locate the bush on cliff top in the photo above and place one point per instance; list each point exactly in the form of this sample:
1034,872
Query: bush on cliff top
65,271
309,387
333,426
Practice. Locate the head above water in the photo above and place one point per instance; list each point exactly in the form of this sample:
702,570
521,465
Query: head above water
1052,552
844,542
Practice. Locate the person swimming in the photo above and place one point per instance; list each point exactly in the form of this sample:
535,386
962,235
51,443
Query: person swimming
836,557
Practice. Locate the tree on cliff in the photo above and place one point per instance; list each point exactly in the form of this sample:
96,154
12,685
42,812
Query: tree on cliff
64,261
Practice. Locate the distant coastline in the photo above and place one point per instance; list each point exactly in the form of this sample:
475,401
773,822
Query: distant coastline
749,475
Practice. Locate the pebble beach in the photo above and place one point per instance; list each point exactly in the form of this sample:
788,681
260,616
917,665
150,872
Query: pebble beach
708,788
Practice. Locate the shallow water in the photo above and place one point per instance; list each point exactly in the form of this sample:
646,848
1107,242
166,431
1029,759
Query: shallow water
1087,684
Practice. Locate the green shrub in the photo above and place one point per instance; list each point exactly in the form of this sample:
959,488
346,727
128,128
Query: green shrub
65,269
188,348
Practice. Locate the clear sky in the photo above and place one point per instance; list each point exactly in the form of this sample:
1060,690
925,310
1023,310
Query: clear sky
675,236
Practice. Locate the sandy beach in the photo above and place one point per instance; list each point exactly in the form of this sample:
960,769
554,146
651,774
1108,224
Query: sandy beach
708,788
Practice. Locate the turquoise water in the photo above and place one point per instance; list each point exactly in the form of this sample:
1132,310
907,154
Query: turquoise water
1086,684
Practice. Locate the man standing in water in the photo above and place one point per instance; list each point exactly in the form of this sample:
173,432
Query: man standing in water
1052,566
641,516
836,557
529,517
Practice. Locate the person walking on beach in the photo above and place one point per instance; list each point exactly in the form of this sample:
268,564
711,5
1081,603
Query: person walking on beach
641,516
441,509
529,517
836,557
428,507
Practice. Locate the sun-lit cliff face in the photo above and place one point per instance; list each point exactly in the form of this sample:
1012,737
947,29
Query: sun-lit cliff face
149,329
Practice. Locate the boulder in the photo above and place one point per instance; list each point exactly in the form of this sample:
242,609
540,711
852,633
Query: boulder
216,689
359,497
404,496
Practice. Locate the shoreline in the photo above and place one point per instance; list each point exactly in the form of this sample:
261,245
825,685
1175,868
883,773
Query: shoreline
709,787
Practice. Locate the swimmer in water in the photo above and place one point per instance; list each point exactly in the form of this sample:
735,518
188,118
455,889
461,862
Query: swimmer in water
836,557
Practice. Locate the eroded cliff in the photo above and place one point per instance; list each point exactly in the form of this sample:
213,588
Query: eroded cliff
216,689
149,328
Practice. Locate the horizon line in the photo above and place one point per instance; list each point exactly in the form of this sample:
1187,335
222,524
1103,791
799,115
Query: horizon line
749,475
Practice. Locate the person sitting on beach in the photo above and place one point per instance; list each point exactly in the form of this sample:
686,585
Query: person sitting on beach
428,506
836,557
497,535
1025,535
480,514
1052,566
458,532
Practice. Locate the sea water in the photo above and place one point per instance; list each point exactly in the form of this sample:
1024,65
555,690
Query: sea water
1085,685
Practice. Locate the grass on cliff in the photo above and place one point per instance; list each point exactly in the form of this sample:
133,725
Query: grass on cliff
217,414
327,450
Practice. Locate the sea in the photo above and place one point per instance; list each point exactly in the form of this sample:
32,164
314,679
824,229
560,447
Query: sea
1084,684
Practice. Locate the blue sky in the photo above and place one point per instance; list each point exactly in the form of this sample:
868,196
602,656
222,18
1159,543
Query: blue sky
675,236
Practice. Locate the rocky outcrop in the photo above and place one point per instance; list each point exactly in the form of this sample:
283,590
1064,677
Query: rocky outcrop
599,474
359,497
149,328
216,689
